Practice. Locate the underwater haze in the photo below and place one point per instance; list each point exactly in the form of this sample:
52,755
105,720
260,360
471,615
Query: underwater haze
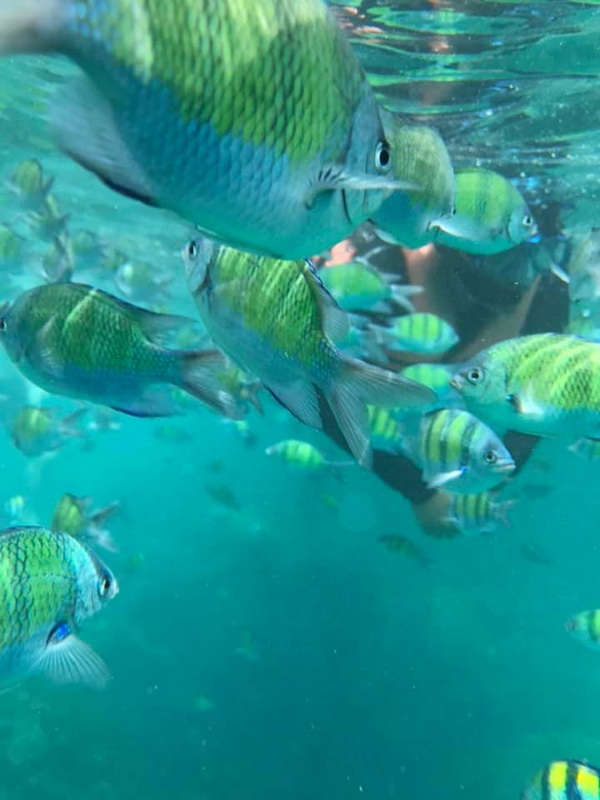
274,635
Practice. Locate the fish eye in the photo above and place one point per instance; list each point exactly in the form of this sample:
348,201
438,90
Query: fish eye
475,375
2,325
192,249
491,457
104,585
527,221
383,157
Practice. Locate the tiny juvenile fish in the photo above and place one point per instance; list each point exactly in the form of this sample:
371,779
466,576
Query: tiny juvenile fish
563,780
224,496
37,430
418,333
396,543
30,185
58,263
302,454
74,516
490,215
50,584
585,627
48,222
73,340
252,120
12,249
478,513
545,384
407,217
360,287
459,453
276,320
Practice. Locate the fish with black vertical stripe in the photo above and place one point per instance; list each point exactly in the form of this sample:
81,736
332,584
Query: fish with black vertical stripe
565,780
458,452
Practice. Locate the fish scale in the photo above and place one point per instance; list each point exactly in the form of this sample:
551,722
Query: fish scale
38,576
265,92
252,120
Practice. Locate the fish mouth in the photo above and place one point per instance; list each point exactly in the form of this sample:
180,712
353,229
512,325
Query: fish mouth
505,467
456,382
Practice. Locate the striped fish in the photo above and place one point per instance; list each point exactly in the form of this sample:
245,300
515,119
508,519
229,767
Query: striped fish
386,432
303,454
419,333
565,780
478,513
545,384
458,452
585,627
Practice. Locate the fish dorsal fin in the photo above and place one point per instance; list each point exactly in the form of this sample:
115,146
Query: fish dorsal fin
87,130
336,323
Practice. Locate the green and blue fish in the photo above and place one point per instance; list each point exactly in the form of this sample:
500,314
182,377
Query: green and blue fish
358,286
76,341
490,215
458,452
422,333
253,120
408,216
546,384
565,780
276,320
50,584
478,513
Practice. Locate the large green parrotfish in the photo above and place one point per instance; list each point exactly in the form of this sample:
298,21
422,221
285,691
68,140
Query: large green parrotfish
544,384
73,340
50,583
251,118
276,320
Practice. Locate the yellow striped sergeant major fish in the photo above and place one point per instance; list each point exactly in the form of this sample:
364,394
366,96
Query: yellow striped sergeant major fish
565,780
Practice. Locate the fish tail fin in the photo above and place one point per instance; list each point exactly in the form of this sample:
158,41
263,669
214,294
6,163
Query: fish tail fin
360,384
29,26
501,512
200,378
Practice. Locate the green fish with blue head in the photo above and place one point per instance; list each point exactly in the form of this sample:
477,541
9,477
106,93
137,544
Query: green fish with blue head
73,340
408,216
546,384
458,452
276,320
50,584
490,215
422,333
253,120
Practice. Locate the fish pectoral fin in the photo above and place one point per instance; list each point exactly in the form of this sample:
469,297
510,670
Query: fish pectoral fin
460,227
73,661
163,328
86,129
526,406
443,478
300,399
45,353
334,178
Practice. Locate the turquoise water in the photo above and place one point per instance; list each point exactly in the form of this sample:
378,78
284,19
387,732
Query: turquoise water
276,649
